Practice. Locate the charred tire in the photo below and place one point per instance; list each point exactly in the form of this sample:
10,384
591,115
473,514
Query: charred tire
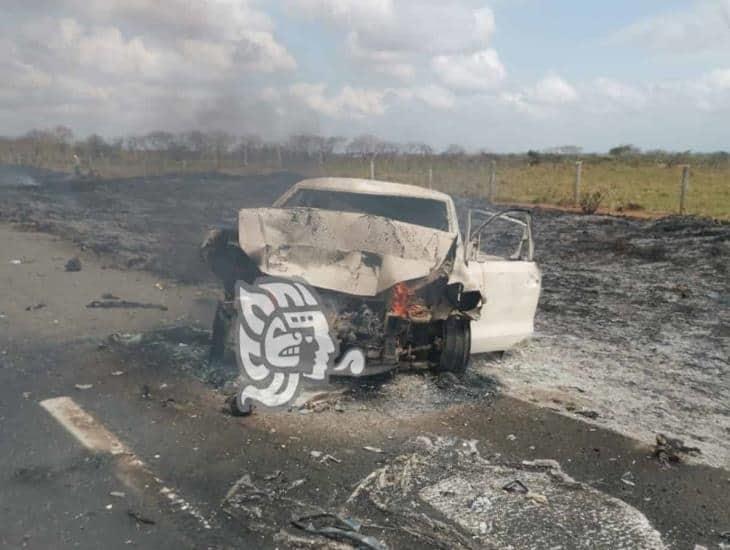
456,345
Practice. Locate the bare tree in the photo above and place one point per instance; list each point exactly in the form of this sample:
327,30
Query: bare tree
454,150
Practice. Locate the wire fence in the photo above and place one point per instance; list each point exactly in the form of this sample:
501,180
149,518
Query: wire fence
640,188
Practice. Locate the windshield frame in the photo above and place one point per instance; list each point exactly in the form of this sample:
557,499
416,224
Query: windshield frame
448,204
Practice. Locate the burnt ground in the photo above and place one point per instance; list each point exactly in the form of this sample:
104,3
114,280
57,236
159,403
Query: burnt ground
155,224
633,340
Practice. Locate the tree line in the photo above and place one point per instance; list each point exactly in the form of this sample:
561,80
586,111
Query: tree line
60,144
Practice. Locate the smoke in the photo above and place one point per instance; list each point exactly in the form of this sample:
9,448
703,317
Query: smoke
133,66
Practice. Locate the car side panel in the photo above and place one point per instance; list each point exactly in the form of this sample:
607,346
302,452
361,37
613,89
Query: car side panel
512,290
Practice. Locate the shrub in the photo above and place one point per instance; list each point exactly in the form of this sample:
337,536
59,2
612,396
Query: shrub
590,203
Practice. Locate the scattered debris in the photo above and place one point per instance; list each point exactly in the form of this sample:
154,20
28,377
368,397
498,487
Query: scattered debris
233,409
441,495
553,469
668,449
140,518
588,414
628,479
126,339
297,483
35,307
320,401
537,497
117,373
83,386
73,265
516,486
276,475
330,458
123,304
338,528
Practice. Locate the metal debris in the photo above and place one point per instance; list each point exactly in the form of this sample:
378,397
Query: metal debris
140,518
338,528
516,486
123,304
668,449
73,265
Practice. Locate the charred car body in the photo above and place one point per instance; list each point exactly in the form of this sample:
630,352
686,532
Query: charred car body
395,275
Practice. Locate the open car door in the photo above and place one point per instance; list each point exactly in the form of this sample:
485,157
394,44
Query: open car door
499,254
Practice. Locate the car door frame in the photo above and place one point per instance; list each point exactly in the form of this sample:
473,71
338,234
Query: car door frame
510,286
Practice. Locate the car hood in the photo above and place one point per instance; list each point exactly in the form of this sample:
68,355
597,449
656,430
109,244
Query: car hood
347,252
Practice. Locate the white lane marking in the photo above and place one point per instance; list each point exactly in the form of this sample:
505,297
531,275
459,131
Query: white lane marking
95,437
83,426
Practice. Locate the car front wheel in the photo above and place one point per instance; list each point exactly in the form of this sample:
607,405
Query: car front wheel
456,345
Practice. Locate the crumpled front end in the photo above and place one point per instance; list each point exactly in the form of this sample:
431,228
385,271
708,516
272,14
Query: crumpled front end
388,288
346,252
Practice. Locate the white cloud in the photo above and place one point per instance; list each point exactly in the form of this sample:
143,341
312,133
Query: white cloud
485,23
478,71
436,97
553,90
432,95
349,102
393,64
213,19
612,93
718,79
394,38
259,51
349,12
704,27
543,99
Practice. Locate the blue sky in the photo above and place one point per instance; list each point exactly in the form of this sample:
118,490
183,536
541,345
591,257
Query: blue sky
505,75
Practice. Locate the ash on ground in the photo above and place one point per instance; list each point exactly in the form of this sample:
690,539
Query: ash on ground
441,493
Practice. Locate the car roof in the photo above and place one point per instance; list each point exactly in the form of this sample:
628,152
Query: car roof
372,187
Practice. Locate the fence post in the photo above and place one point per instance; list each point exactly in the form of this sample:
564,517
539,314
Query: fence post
576,184
683,189
491,192
430,177
372,168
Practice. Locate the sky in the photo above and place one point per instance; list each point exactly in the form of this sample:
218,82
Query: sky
500,75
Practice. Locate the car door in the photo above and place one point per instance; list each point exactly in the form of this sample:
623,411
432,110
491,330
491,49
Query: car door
510,282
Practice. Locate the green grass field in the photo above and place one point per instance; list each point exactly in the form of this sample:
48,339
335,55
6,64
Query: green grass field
637,188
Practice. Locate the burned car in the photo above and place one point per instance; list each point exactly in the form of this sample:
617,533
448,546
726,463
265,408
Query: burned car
396,277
